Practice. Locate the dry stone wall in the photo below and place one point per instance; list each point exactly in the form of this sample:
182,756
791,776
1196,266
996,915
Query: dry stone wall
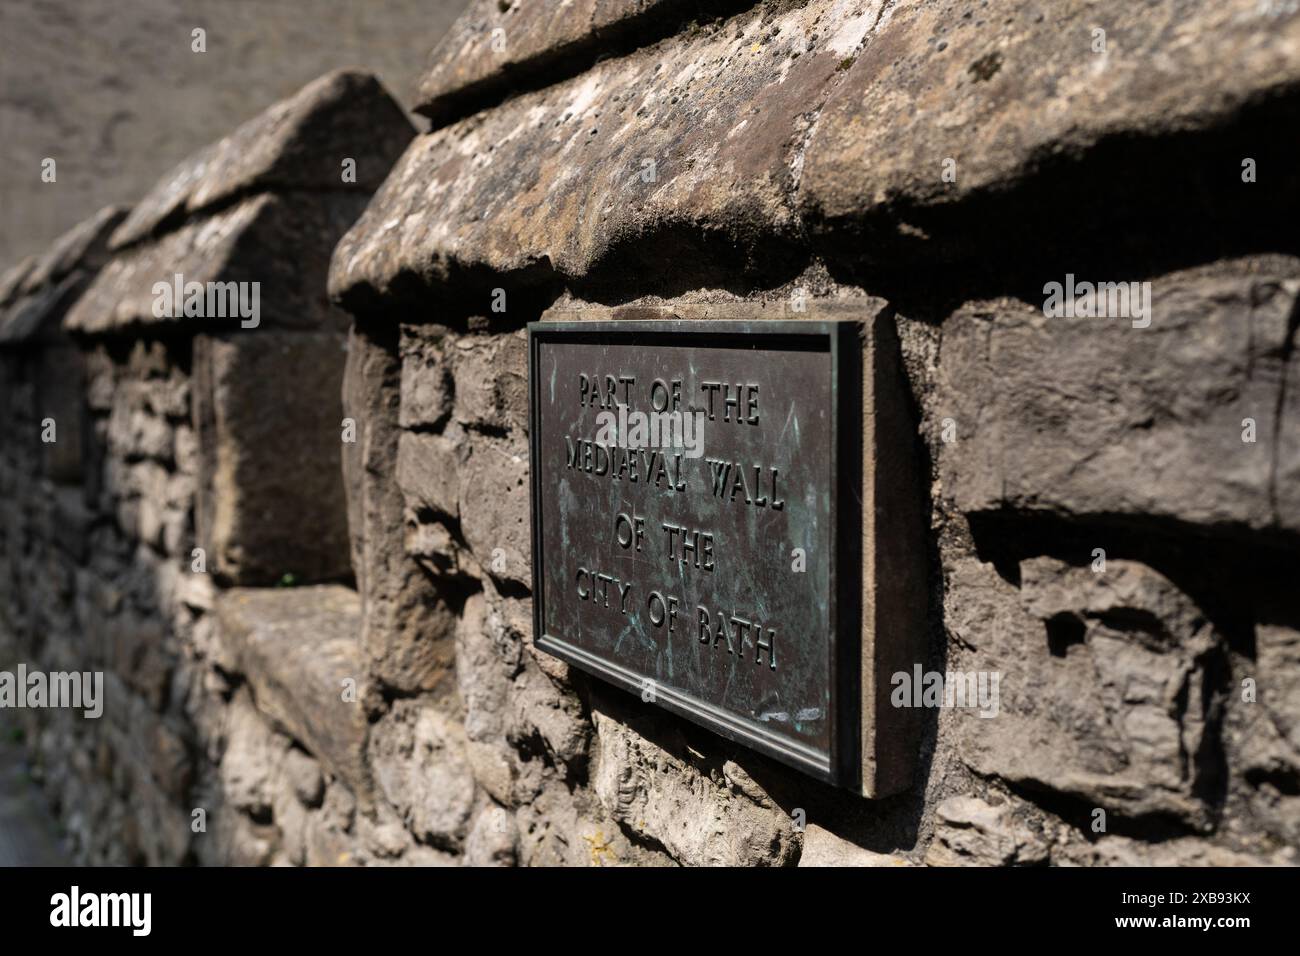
1110,504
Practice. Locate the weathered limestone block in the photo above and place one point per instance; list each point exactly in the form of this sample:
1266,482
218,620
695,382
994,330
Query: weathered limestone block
303,777
299,789
169,397
427,387
418,757
549,713
251,219
1261,739
1265,809
560,826
700,138
484,671
494,505
823,848
1123,657
1002,86
427,472
478,454
274,248
271,499
330,839
434,549
1286,446
492,838
140,752
1092,416
513,706
291,822
383,837
494,44
417,855
1188,851
298,143
970,832
185,450
491,376
35,316
661,798
235,839
100,379
1277,650
250,760
408,627
371,399
162,830
298,649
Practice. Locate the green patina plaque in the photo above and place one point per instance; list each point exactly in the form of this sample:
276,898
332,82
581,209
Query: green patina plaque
696,510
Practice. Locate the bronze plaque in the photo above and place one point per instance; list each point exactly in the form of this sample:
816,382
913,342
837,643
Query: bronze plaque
697,526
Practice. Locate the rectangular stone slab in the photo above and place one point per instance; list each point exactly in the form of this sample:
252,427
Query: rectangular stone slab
748,620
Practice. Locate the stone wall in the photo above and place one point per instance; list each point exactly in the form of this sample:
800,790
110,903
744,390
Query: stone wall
197,465
1111,502
941,162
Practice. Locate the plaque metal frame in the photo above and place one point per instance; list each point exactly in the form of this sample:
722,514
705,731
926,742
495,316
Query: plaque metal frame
841,339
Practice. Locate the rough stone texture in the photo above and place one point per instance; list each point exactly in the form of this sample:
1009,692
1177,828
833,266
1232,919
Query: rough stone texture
407,626
427,473
970,832
655,794
270,499
1120,851
1278,650
553,180
267,239
823,848
93,572
1162,406
491,841
418,756
465,459
496,44
1129,662
298,649
1004,86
